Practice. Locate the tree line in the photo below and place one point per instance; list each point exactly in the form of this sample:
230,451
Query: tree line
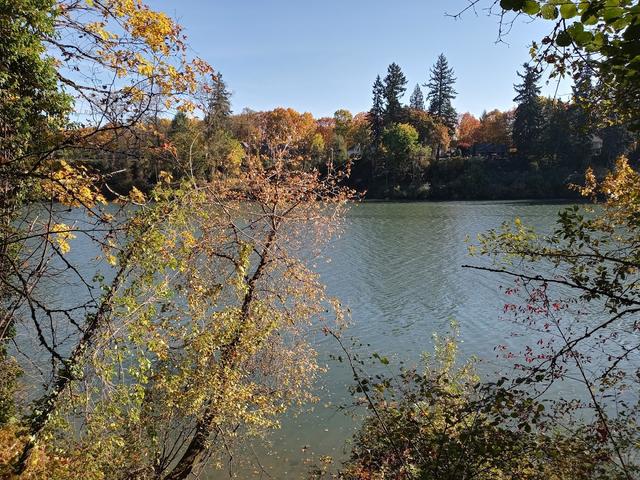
423,149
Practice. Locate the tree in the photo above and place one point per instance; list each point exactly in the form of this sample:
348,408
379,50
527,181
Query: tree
132,63
317,150
495,128
32,108
427,127
360,132
582,31
403,151
527,123
376,114
245,127
186,152
339,151
577,288
467,131
555,134
343,120
441,93
579,32
580,119
222,152
617,140
416,101
218,106
395,84
286,132
443,421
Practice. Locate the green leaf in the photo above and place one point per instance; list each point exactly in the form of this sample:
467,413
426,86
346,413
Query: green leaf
512,4
568,10
579,35
611,14
598,39
592,20
507,4
582,37
531,7
563,39
582,6
549,12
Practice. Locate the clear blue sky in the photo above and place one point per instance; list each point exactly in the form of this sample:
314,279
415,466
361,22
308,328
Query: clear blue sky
319,56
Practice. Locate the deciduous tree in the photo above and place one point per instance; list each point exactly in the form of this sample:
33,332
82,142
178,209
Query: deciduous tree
467,131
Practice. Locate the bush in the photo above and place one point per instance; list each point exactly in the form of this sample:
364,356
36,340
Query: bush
444,424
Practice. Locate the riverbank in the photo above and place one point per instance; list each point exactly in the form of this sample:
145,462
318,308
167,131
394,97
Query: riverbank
477,178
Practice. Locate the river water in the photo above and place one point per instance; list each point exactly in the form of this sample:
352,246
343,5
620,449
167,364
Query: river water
398,268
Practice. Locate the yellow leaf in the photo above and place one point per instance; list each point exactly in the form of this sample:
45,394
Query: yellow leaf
62,235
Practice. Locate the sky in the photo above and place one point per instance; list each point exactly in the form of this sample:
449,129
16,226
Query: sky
320,56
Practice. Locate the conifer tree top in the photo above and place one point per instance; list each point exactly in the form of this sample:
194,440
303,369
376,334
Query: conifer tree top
417,99
441,92
529,89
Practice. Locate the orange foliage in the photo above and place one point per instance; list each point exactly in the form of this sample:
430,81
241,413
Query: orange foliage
284,130
467,130
495,127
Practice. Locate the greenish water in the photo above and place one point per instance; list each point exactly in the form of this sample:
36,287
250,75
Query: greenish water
398,267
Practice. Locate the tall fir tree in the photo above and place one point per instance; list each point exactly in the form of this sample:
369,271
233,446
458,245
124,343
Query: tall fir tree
416,101
580,118
395,84
376,114
555,135
218,106
218,141
582,88
527,123
441,93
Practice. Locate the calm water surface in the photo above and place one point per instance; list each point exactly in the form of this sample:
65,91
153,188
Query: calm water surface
398,267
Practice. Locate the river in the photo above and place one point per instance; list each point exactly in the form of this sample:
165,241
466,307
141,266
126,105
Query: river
398,268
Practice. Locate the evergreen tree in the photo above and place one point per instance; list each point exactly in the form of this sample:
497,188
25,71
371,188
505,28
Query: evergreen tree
416,101
395,84
555,133
580,118
219,143
616,140
582,85
218,107
376,114
441,93
179,124
527,124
